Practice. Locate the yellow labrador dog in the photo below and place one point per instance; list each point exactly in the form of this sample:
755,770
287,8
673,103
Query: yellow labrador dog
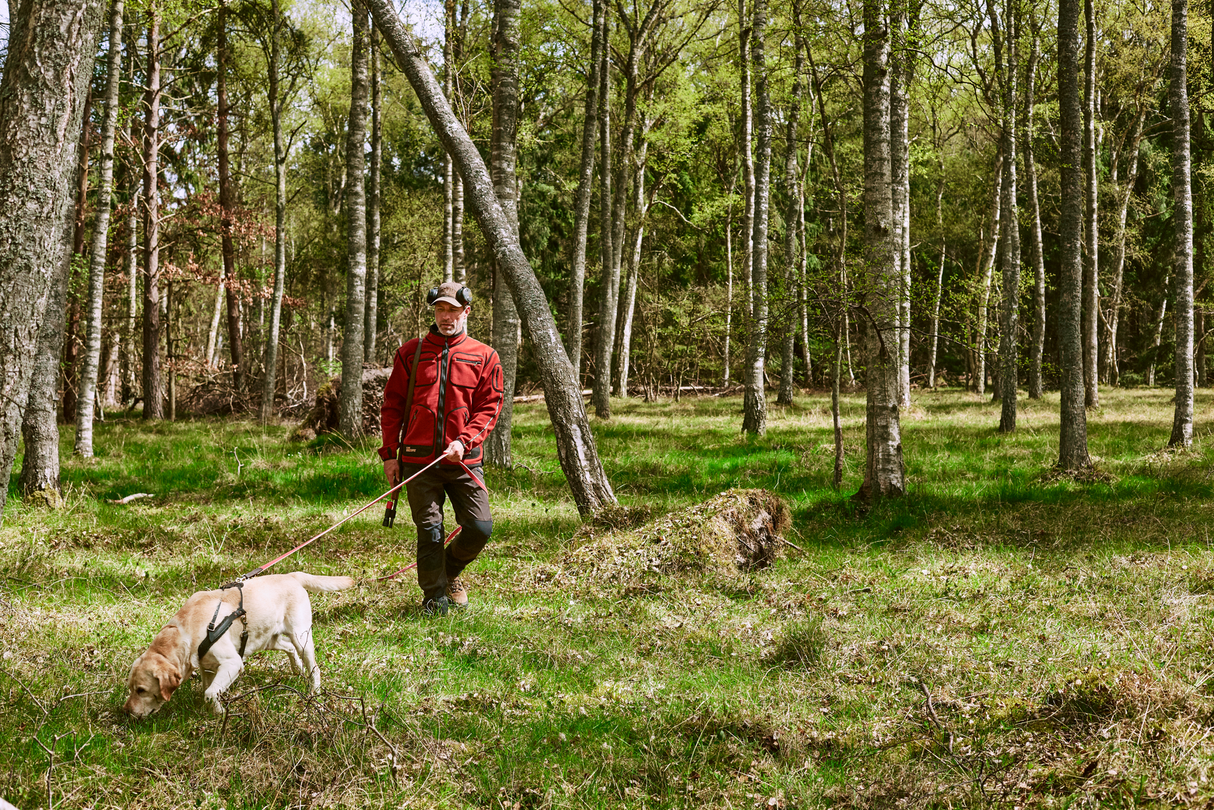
277,616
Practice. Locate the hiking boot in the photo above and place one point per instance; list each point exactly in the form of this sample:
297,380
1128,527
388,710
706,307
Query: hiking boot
437,606
457,593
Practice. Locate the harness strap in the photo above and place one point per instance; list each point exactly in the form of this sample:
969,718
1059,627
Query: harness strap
216,632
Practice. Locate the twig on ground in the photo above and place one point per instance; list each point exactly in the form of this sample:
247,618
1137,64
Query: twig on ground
129,498
20,683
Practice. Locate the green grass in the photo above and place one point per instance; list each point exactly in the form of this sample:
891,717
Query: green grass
1061,628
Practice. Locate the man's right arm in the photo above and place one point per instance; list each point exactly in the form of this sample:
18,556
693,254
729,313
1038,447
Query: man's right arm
392,415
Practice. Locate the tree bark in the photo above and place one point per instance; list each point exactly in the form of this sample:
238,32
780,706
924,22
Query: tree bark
792,176
581,217
356,226
884,473
1073,437
153,386
1037,350
101,227
987,270
1007,58
640,204
227,202
371,317
903,22
1113,314
754,399
1158,332
748,162
575,443
600,395
1091,280
46,75
130,351
270,374
1182,192
504,169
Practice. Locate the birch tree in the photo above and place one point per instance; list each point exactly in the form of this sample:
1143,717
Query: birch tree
754,398
1182,193
350,417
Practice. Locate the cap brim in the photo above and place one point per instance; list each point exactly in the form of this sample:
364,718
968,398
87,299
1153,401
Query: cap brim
446,299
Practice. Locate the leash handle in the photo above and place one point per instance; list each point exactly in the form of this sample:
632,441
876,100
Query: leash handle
390,509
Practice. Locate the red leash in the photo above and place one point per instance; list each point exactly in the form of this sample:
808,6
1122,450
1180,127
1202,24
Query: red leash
262,568
446,542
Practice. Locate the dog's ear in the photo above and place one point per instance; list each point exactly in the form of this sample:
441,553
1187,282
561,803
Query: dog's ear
169,679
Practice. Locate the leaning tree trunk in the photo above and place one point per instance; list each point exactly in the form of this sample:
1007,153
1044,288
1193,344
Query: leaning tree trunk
50,61
130,351
1091,280
1037,350
1157,340
884,474
574,441
371,316
105,187
351,422
581,214
628,309
504,159
227,203
986,273
269,382
754,399
1182,192
153,385
1073,430
934,335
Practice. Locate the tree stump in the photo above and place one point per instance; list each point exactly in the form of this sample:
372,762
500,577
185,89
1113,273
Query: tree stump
325,414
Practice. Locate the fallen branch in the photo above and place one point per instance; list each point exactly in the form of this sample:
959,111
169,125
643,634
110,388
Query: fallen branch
135,497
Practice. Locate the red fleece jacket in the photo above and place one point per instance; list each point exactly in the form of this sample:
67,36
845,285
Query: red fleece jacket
457,396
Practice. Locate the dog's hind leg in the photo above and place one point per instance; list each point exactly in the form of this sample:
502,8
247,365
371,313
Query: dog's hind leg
303,643
287,645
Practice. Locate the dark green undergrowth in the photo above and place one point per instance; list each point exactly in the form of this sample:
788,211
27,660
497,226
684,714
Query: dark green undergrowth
1003,636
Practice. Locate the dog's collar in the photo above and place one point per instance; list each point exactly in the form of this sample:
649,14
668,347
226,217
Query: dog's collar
215,632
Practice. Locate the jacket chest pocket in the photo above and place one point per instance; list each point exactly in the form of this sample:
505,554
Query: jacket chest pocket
427,370
465,370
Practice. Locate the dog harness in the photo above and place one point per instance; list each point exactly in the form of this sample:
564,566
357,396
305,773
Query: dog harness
215,632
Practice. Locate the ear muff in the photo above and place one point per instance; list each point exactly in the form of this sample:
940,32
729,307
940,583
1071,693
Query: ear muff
463,295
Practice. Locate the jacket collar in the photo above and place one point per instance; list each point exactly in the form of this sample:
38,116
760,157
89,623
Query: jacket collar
439,339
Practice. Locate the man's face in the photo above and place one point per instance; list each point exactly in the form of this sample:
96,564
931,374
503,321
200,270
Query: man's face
450,319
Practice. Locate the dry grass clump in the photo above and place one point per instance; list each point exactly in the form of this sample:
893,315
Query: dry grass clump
737,531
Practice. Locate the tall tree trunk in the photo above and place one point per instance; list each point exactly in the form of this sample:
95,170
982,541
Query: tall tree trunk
227,202
1113,314
726,359
46,75
934,337
754,399
1037,349
101,228
792,176
371,317
130,351
574,441
884,473
350,417
986,274
40,427
153,386
1182,192
1157,340
1091,279
609,294
450,176
1073,430
269,379
628,309
748,161
903,21
581,216
71,342
1010,254
504,169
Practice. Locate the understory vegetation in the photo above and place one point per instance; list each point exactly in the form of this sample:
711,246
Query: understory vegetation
1002,637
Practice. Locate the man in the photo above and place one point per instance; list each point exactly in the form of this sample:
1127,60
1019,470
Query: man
442,400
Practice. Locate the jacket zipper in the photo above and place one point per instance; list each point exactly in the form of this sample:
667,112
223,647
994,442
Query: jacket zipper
440,426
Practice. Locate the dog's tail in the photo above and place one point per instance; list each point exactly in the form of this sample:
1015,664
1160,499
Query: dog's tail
317,584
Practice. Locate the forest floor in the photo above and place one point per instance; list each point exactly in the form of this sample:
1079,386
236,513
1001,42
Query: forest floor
1001,637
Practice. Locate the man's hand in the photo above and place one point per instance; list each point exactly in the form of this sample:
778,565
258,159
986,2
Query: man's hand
455,451
392,471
